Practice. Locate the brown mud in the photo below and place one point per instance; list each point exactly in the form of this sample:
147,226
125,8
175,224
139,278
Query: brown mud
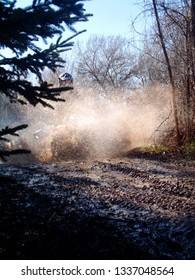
126,208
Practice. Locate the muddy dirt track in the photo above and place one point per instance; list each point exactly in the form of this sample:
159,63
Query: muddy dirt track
128,208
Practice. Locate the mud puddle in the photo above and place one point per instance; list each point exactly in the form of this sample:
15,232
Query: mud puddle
113,209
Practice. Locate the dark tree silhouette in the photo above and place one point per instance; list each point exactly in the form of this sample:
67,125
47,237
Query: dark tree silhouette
170,72
20,30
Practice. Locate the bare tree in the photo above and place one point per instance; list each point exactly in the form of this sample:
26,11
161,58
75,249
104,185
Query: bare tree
173,31
151,65
107,61
180,17
171,78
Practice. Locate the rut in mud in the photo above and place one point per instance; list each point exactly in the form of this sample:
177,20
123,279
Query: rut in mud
128,208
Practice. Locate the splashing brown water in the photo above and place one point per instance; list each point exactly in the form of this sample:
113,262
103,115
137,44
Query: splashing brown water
93,125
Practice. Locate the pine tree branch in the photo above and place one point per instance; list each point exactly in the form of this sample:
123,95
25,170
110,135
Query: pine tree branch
12,131
20,30
40,20
4,154
35,63
22,91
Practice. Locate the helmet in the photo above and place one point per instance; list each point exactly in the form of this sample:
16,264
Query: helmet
65,78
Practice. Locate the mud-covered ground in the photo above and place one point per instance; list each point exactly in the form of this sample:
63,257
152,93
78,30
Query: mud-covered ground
127,208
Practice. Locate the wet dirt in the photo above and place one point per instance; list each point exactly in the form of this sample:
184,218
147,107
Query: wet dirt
125,208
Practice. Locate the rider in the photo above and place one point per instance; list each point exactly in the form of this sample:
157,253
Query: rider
65,79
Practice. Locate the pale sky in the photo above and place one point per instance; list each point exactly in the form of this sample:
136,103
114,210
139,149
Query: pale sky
110,17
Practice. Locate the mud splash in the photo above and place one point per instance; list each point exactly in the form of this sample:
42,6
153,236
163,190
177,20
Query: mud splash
97,125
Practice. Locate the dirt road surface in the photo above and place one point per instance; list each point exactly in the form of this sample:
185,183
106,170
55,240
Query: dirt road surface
127,208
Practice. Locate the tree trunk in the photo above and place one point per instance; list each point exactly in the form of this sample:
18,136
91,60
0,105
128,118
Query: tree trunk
190,77
193,21
171,79
192,13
